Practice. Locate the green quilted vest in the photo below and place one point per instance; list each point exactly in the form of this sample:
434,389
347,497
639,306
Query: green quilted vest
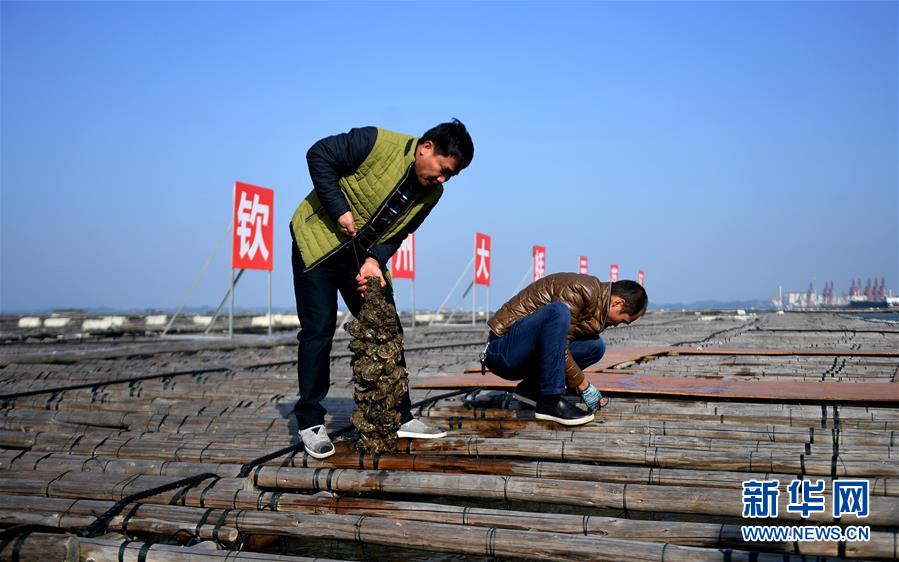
366,190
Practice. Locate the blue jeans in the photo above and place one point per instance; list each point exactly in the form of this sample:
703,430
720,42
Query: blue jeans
533,350
316,297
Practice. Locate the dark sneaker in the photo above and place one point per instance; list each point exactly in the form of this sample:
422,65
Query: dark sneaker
316,442
559,410
416,429
525,394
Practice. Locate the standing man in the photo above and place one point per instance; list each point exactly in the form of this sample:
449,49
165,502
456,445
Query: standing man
371,188
549,332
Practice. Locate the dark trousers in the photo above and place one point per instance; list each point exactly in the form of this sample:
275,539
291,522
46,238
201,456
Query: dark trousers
533,350
316,297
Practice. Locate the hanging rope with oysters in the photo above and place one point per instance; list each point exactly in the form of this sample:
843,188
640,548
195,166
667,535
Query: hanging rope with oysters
379,381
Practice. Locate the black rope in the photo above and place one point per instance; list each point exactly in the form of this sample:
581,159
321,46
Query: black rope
328,480
104,519
7,535
219,523
289,460
144,550
491,542
357,528
181,496
17,457
246,468
38,461
128,517
432,399
122,548
131,380
273,501
50,483
202,522
835,438
206,489
102,522
315,485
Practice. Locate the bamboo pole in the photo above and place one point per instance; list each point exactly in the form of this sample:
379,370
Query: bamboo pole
796,463
637,497
135,524
682,533
101,550
706,415
40,546
235,427
469,539
799,462
565,471
103,443
58,462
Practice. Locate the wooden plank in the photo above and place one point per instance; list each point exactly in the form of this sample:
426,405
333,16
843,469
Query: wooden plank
613,383
618,355
768,352
626,354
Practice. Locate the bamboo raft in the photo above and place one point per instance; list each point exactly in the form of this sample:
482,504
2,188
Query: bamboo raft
140,449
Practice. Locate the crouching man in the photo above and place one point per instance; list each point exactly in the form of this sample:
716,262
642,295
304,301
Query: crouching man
549,332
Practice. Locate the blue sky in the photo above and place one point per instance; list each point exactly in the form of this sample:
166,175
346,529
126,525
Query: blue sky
725,148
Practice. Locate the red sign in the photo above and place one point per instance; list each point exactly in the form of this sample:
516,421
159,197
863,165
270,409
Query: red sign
402,264
640,276
582,265
613,272
254,233
481,259
539,262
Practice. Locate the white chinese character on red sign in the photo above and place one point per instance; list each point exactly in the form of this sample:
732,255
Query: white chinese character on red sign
482,259
640,276
251,217
402,264
582,265
539,262
613,272
253,227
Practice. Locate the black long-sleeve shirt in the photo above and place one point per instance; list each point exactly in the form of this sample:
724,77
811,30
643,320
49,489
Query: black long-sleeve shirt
339,155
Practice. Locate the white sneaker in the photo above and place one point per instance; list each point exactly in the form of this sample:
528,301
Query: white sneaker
416,429
316,442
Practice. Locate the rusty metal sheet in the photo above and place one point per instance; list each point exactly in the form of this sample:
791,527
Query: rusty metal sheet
623,384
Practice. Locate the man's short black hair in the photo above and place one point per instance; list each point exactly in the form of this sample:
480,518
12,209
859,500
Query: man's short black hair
451,139
634,296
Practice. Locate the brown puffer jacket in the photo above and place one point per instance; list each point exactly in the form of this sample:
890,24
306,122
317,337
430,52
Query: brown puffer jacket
586,296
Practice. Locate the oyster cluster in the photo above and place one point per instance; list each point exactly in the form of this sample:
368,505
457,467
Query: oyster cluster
379,381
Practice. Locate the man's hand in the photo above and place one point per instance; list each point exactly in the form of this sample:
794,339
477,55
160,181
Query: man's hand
371,268
347,224
592,398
